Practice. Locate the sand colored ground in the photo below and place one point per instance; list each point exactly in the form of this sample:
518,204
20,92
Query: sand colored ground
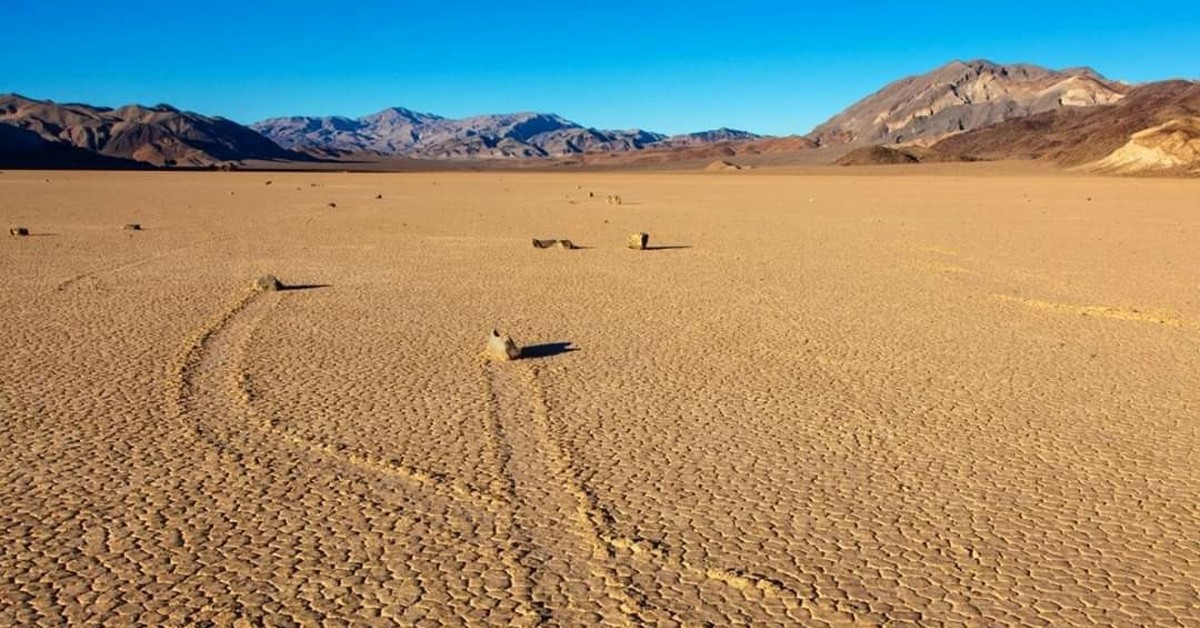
918,399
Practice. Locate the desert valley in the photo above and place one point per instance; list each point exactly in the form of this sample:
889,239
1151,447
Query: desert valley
934,363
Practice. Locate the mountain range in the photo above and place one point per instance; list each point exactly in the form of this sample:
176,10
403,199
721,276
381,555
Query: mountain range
975,110
406,133
42,132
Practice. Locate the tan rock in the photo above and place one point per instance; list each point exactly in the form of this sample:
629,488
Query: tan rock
566,244
268,283
133,226
542,244
638,241
500,347
18,231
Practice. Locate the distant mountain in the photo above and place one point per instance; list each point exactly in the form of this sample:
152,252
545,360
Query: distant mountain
963,96
710,137
402,132
961,111
1155,128
45,133
20,148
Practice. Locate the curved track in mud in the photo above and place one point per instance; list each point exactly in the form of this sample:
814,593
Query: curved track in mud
565,561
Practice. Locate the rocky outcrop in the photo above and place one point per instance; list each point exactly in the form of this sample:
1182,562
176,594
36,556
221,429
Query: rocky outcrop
1172,147
1151,129
960,97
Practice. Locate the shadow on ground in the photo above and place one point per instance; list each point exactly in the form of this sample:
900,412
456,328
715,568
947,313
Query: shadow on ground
304,286
546,350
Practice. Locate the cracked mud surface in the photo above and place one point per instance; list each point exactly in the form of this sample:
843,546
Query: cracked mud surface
875,400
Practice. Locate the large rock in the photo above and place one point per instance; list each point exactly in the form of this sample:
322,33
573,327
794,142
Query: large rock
545,244
501,347
268,283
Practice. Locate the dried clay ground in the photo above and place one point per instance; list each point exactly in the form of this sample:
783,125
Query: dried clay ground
934,397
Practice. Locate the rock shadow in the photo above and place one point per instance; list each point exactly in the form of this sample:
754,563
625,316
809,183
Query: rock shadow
304,286
546,350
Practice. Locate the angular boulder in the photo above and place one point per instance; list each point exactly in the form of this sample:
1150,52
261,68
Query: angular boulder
501,347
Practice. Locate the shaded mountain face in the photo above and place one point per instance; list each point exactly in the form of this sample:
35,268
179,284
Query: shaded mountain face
401,132
962,96
160,135
1154,128
21,148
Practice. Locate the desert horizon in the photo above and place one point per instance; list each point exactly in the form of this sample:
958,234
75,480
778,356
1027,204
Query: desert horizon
973,111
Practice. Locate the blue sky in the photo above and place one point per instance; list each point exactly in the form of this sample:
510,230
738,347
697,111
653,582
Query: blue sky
768,67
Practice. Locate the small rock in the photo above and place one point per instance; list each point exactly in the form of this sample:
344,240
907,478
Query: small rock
566,244
542,244
379,197
133,226
18,231
333,205
268,283
638,241
500,347
268,182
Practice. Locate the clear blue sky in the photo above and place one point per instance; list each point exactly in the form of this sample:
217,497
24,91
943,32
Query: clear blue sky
768,67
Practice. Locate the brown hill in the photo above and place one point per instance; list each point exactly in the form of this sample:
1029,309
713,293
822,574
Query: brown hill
789,144
893,155
160,135
722,166
877,156
1081,136
20,148
960,97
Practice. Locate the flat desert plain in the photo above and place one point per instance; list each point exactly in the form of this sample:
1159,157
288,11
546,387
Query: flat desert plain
913,396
